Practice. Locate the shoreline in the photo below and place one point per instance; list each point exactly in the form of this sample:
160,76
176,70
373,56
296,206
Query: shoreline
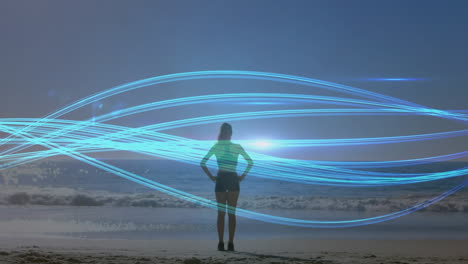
61,250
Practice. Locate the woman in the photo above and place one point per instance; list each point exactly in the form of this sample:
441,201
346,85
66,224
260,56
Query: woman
227,181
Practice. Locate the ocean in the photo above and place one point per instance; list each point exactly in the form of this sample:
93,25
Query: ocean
69,198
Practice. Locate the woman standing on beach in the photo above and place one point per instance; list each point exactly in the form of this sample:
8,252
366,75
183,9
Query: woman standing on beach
227,182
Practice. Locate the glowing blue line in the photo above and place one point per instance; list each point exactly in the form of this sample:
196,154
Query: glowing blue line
243,212
220,74
73,138
291,178
395,79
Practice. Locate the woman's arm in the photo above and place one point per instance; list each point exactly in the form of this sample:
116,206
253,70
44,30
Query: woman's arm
203,163
249,162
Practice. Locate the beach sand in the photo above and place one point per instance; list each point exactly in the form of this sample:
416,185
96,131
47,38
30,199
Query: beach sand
77,250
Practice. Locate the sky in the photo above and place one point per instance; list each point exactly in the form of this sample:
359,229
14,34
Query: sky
56,52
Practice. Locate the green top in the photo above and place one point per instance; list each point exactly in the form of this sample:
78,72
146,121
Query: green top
226,154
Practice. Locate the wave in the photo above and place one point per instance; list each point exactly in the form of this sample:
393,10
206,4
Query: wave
31,195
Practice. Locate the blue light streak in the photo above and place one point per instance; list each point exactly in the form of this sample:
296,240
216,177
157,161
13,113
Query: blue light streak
395,79
75,138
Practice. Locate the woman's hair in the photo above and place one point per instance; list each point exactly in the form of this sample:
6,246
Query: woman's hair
225,132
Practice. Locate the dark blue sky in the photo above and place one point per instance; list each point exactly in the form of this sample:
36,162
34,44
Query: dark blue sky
55,52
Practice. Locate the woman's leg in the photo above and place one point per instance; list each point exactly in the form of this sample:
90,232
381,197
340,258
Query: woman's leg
232,201
221,198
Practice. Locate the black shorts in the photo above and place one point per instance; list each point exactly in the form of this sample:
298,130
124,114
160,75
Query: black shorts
227,182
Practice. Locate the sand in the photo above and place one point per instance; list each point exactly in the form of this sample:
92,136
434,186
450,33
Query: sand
65,250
